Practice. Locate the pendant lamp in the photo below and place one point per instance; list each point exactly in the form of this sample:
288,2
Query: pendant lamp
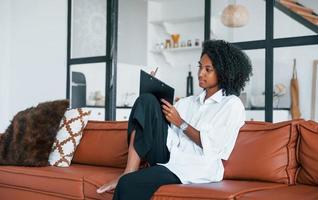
235,15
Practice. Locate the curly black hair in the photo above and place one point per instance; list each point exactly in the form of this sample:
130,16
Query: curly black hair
233,66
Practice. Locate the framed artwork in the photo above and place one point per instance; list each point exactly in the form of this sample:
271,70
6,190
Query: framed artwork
314,92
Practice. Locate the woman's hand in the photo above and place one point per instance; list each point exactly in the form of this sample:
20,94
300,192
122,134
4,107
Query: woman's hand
173,117
171,113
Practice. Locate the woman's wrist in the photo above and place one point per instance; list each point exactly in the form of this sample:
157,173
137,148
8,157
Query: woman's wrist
179,122
183,126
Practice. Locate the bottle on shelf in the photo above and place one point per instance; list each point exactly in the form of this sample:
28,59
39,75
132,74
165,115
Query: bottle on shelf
189,83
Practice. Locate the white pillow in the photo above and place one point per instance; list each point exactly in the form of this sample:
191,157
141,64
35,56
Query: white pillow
68,137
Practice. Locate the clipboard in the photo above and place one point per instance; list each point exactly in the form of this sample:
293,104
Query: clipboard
150,84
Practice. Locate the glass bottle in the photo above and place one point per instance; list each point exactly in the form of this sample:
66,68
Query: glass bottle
189,83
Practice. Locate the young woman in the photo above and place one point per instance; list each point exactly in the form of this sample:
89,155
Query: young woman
202,130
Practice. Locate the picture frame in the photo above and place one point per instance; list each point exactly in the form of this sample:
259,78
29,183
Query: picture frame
314,93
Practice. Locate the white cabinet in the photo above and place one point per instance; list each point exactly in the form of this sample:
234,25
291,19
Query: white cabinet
122,114
259,115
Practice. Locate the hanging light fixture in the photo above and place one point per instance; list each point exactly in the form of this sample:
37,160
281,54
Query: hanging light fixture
235,15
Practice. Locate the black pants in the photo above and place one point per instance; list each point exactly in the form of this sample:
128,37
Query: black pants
151,131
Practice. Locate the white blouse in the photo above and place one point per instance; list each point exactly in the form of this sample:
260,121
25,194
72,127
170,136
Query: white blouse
218,119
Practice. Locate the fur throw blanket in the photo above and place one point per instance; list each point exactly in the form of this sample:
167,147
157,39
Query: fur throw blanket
29,138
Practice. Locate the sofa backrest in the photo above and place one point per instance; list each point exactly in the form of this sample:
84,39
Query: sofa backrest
307,153
264,152
104,144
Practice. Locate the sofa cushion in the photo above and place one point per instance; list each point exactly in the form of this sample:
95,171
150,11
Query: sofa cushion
264,152
226,189
56,181
45,179
307,153
103,144
68,137
94,181
16,193
294,192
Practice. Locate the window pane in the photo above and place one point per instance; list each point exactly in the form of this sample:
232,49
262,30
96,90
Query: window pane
253,95
88,28
238,20
283,72
295,18
88,88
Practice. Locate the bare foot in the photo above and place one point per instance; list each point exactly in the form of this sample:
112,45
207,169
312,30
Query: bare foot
108,186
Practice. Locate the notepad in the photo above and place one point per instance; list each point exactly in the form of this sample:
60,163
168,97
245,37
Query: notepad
150,84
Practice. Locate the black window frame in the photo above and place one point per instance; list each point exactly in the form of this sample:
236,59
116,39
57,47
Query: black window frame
110,59
268,44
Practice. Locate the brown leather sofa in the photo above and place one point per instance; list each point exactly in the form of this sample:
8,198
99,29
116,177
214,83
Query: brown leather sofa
269,161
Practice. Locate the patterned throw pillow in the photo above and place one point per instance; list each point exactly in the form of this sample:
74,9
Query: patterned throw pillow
68,137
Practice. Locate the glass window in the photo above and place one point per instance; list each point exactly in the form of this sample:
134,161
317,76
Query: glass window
253,96
238,20
295,18
306,74
88,88
88,28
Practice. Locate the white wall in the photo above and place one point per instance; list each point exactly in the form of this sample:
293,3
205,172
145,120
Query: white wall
4,61
253,30
132,32
34,60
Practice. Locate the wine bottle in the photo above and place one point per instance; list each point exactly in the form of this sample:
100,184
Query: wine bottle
189,83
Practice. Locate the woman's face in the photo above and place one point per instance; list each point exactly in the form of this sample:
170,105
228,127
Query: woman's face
207,74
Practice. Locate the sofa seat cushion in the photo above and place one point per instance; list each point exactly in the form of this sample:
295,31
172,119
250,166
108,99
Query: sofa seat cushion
56,181
93,181
295,192
226,189
16,193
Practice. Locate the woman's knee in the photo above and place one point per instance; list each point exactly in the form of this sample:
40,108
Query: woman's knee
125,182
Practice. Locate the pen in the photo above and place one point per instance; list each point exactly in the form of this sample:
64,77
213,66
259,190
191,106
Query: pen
154,74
